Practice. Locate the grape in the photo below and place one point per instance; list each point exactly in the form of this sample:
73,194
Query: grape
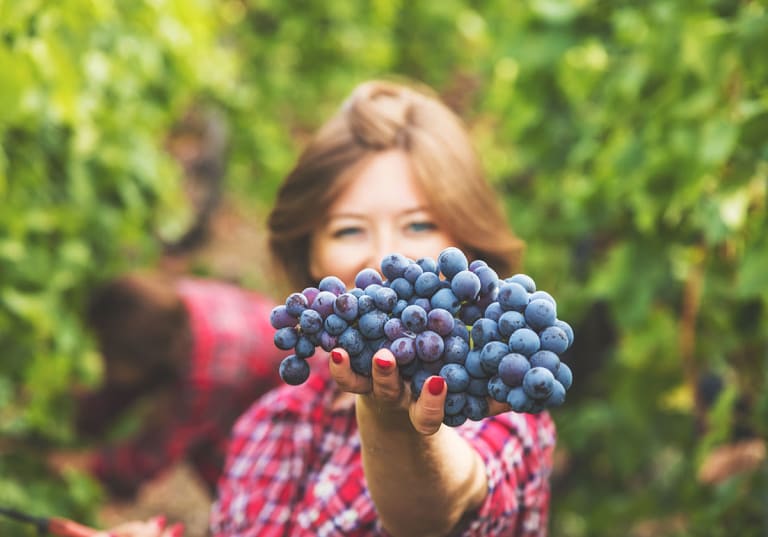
465,285
345,306
490,339
414,318
526,281
524,341
294,370
366,277
310,321
332,284
554,338
295,304
429,346
540,313
456,377
512,297
440,321
393,266
280,318
451,261
513,368
537,383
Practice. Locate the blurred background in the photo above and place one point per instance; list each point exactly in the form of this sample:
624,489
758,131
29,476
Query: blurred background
628,139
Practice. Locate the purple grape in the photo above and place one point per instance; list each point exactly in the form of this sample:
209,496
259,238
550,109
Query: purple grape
483,331
518,400
557,397
304,348
402,287
417,382
362,363
427,264
454,403
440,321
427,284
429,346
460,329
345,306
491,355
451,261
371,325
280,318
476,407
493,311
476,264
513,368
525,341
414,319
564,375
455,350
310,321
489,281
286,337
465,285
394,328
469,313
543,295
310,293
538,383
554,339
509,322
412,272
332,284
526,281
445,299
334,324
352,341
456,377
393,266
472,364
512,297
365,304
540,313
565,327
366,277
432,367
323,303
328,342
404,350
293,370
498,390
295,304
385,299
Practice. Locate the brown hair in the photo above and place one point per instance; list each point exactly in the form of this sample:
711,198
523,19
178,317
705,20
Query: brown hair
139,320
382,115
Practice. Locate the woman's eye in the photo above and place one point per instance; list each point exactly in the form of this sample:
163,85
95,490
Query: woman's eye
421,226
346,232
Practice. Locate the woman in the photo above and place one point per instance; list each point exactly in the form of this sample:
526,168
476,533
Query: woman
343,454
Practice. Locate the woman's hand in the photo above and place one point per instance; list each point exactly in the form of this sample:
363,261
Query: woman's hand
391,395
154,527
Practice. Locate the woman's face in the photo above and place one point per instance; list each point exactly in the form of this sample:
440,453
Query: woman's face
382,211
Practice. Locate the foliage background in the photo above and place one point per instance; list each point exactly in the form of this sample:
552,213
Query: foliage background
630,142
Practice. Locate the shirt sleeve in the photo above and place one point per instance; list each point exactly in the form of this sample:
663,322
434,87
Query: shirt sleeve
517,451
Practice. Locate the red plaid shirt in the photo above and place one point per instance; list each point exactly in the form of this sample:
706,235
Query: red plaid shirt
233,363
294,468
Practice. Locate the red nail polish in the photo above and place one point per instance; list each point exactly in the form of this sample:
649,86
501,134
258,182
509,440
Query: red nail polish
383,363
177,530
160,520
435,385
337,357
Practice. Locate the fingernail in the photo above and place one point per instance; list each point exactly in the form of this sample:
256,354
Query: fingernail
383,363
435,385
177,530
337,357
160,520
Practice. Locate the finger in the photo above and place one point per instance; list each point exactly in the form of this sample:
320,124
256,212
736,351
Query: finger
427,412
176,530
495,407
342,373
387,385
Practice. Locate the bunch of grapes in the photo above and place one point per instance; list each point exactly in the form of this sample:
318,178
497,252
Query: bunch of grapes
487,337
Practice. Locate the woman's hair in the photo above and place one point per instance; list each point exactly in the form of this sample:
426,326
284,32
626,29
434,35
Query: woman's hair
140,321
379,116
